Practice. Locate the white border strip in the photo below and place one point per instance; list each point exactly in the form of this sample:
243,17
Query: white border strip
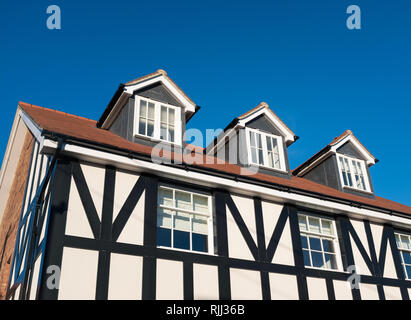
243,188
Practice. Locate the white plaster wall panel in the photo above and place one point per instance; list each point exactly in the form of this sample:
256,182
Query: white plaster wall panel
34,283
359,228
77,223
133,231
95,176
360,265
17,293
37,169
205,282
46,210
125,282
271,213
317,289
245,284
389,267
409,292
237,246
392,293
78,274
369,291
170,280
283,287
342,290
9,165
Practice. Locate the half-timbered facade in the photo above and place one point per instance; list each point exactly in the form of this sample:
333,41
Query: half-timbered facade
123,208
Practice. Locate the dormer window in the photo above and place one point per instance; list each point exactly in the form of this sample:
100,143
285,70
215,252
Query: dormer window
157,120
265,149
353,173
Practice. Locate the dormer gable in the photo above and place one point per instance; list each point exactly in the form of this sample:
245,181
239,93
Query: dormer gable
343,164
149,110
257,139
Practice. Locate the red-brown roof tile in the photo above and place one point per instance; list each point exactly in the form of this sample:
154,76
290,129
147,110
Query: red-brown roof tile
85,129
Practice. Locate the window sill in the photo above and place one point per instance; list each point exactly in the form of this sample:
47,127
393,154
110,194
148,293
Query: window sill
269,168
357,190
185,250
152,139
324,269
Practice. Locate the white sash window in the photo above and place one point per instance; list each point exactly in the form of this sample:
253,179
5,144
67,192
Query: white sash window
265,150
157,121
353,173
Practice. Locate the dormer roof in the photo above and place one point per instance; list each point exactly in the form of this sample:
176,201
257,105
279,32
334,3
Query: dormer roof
332,147
240,122
126,90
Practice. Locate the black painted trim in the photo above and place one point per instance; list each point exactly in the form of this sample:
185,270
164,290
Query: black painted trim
298,252
86,199
188,281
60,189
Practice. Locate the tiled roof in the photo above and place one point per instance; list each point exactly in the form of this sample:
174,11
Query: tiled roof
85,129
336,140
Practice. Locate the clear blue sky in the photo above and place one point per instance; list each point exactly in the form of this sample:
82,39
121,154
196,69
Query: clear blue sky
298,56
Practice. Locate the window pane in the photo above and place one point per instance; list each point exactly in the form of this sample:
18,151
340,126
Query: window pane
163,237
200,242
253,155
259,144
302,222
163,131
200,224
260,156
166,197
326,227
183,200
330,261
306,255
163,114
171,116
315,244
150,128
408,269
252,139
143,108
314,224
405,242
304,243
407,257
200,203
182,221
181,240
328,245
317,259
150,111
269,145
164,218
397,239
142,126
171,134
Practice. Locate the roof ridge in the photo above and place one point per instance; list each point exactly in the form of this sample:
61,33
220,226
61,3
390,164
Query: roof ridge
54,110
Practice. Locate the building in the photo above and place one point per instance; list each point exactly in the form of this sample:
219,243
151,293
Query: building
123,208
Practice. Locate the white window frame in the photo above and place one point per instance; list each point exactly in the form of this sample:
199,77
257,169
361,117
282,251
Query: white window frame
403,264
364,172
264,136
321,236
209,214
157,121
